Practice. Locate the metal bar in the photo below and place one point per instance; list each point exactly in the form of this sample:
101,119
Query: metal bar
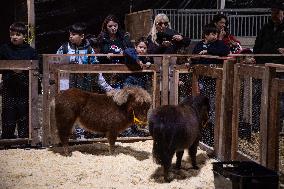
190,21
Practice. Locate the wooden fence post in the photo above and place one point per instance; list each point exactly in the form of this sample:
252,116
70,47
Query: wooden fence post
45,101
225,129
268,119
272,143
165,80
33,105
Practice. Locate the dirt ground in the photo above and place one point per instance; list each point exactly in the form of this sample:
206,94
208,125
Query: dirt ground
91,166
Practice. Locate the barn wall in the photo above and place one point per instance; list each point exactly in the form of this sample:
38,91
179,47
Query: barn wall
13,10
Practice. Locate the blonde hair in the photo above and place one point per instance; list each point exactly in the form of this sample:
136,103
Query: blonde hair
153,31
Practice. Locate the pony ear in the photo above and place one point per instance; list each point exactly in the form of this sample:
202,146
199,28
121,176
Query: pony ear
120,97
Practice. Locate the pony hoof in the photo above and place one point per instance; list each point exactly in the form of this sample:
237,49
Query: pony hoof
67,153
195,167
111,152
177,167
168,178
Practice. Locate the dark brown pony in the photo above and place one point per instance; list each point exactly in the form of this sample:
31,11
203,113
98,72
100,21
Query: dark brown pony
175,128
105,113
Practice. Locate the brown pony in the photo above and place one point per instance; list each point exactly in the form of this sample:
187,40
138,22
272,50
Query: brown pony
175,128
105,113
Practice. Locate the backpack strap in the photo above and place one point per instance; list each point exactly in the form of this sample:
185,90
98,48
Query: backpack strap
65,48
89,51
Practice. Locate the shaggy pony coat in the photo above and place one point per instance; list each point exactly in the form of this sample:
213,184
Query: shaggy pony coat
175,128
108,113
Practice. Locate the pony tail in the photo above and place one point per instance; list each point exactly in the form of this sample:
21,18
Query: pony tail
158,149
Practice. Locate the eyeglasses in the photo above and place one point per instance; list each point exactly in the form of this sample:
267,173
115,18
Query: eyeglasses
161,24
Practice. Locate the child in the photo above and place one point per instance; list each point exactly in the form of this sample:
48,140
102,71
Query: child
15,95
210,45
139,79
79,45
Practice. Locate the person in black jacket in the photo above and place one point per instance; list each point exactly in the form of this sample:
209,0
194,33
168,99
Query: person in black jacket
270,39
15,92
112,40
164,40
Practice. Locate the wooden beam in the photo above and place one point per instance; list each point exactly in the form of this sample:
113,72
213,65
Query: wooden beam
273,123
33,104
235,116
270,72
31,21
225,129
165,80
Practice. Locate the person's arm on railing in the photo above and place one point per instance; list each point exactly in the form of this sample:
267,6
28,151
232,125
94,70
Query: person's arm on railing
218,48
103,84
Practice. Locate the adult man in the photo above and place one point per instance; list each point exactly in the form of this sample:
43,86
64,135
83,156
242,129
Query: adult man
270,39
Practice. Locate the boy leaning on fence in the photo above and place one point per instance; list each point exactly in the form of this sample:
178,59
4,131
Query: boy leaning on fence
15,88
78,44
210,45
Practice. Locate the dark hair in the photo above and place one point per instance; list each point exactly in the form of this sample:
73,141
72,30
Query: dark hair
107,20
141,39
92,40
278,5
79,28
19,27
104,35
207,29
218,17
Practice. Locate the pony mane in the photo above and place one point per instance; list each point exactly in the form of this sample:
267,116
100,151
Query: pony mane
121,96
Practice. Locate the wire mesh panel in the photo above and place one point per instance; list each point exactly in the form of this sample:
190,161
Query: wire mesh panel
184,86
207,87
15,104
19,102
249,117
281,138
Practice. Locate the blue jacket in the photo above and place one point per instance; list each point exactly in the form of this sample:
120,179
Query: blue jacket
85,48
216,48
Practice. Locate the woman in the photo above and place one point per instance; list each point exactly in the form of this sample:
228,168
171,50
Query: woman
220,21
112,40
164,40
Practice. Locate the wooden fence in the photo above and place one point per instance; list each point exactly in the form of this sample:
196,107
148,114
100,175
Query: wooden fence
227,99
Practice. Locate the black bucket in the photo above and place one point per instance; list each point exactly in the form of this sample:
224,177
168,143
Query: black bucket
243,175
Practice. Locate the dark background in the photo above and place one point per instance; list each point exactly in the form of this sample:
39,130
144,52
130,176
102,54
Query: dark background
53,17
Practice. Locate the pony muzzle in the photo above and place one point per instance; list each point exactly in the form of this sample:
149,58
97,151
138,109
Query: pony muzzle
138,122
